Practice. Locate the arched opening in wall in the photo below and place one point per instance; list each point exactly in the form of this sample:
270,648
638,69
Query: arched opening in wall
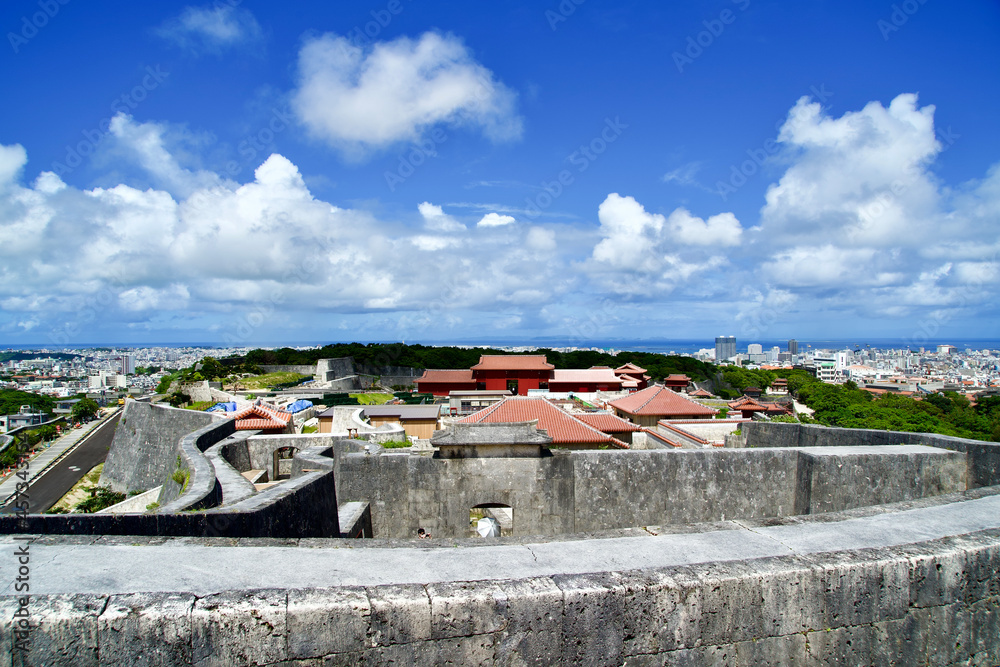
283,463
491,520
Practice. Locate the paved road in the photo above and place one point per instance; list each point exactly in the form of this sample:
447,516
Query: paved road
45,491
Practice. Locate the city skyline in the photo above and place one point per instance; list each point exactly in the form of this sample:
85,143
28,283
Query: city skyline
238,174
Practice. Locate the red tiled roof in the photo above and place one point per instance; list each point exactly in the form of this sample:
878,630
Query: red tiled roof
586,376
513,362
607,423
658,400
629,368
454,376
628,381
261,417
745,403
562,427
700,393
677,377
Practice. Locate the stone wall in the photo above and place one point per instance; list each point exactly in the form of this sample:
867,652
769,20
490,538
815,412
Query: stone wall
583,491
933,603
301,370
983,459
145,447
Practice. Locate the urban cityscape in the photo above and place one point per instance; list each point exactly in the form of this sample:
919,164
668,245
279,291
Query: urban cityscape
572,332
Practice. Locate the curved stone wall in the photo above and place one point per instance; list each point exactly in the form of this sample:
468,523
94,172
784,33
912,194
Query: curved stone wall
844,590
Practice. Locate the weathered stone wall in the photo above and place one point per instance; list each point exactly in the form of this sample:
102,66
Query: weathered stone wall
584,491
301,370
935,603
983,457
144,450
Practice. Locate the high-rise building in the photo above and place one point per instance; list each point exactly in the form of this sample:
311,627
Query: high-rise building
755,348
725,347
793,346
128,364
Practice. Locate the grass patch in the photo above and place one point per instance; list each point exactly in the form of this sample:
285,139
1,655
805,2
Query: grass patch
395,444
373,399
200,406
310,429
271,379
79,492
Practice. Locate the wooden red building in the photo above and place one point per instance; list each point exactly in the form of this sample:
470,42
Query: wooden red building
516,373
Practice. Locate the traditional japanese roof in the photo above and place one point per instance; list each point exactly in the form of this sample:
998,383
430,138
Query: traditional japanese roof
449,376
677,377
659,400
261,417
562,427
628,381
607,422
630,368
700,393
585,376
513,362
746,403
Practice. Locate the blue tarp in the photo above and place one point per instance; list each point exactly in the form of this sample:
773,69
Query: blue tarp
298,406
223,407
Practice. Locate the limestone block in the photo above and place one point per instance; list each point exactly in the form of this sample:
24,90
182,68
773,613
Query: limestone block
860,587
399,614
593,613
532,631
461,609
327,621
67,630
146,629
239,628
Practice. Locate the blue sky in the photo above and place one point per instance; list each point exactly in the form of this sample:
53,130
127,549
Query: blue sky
247,172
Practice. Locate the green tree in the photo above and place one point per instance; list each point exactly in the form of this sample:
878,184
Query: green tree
85,409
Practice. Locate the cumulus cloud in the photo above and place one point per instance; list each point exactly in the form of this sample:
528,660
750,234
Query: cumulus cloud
859,217
212,29
495,220
218,250
653,253
436,219
363,99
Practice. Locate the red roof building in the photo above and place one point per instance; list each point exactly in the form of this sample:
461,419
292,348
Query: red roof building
515,372
262,417
635,373
564,429
587,380
747,406
676,382
441,382
652,404
606,422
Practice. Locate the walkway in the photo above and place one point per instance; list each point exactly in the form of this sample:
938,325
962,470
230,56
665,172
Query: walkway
108,565
49,454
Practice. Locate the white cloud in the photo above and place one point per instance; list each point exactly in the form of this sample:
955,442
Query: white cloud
436,219
495,220
12,160
152,259
683,175
648,253
361,100
212,29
